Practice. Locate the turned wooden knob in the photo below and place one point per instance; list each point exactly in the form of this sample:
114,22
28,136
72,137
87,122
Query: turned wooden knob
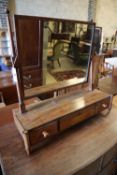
29,76
30,85
104,105
45,134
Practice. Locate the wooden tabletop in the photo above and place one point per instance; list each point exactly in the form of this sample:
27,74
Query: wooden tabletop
55,108
70,152
6,113
54,87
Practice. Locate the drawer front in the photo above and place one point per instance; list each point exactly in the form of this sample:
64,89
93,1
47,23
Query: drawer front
102,105
32,83
91,169
32,73
77,118
109,156
32,79
40,134
110,169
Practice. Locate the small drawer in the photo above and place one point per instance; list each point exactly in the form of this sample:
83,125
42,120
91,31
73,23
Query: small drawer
110,169
82,115
91,169
109,156
40,134
32,83
28,75
102,105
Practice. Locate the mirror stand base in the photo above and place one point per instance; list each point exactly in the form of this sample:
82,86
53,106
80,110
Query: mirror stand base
45,120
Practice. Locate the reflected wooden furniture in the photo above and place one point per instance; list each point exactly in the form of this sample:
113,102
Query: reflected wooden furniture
57,88
113,62
51,117
60,36
87,149
8,87
105,68
108,85
57,49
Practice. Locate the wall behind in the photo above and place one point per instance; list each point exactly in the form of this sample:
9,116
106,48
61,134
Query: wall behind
3,7
69,9
106,16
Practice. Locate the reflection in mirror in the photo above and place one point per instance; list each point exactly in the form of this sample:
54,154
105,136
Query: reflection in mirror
51,51
66,50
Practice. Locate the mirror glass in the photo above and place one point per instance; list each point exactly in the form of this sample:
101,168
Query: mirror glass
66,50
51,52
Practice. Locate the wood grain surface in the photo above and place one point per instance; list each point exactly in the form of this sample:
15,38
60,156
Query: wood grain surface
71,152
55,108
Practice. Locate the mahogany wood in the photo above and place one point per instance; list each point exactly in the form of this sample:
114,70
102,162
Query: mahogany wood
29,36
52,116
81,150
63,85
8,111
29,32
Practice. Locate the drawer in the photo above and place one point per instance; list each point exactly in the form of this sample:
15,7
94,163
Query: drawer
110,169
77,118
32,78
32,83
31,74
40,134
109,156
91,169
102,105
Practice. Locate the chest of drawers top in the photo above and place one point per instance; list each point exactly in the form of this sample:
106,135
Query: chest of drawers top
53,109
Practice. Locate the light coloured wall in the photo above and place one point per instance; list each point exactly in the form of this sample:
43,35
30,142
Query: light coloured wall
69,9
12,6
106,16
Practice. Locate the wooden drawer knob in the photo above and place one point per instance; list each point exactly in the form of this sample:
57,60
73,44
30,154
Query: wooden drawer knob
30,85
104,105
45,134
29,76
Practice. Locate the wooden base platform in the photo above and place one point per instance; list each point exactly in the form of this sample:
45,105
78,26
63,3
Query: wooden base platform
87,149
49,118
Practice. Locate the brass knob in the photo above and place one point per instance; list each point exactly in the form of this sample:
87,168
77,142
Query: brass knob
45,134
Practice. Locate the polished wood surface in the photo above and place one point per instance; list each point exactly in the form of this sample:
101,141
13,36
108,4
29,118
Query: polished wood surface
57,108
49,118
71,152
29,38
8,111
54,87
95,70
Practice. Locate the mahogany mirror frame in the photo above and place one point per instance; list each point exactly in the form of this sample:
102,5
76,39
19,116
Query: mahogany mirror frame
18,64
